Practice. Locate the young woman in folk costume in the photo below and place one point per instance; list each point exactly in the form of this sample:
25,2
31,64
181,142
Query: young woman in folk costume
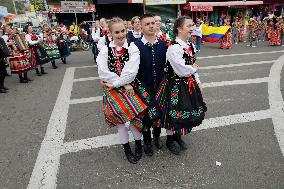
180,95
38,56
19,63
50,46
226,41
159,33
64,49
117,67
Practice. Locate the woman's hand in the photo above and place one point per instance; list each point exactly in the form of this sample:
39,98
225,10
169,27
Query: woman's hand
196,66
129,89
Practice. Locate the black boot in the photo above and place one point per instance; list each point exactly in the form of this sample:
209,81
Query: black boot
129,155
2,90
138,149
148,148
172,145
63,60
53,64
42,70
26,77
37,72
22,80
156,138
182,144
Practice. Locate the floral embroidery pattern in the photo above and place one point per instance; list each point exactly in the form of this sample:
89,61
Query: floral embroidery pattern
174,95
185,114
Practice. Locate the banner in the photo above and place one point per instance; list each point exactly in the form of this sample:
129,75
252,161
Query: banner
213,34
164,2
39,5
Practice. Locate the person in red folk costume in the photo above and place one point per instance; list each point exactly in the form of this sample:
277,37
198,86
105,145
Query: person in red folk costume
124,98
226,41
39,57
19,63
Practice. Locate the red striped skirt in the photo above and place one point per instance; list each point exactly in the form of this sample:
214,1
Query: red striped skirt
120,108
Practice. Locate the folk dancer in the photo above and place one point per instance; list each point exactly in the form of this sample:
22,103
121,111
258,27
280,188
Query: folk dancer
123,95
38,55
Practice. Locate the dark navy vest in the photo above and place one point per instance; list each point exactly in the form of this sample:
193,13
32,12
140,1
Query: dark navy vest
152,63
131,37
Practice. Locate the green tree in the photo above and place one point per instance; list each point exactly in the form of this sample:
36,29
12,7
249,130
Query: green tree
20,6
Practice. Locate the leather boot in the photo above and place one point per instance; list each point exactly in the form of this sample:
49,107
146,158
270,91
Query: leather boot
37,72
182,144
26,77
148,147
53,64
156,138
42,70
138,149
128,153
172,145
22,80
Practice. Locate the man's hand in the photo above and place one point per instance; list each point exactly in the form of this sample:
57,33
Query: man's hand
129,89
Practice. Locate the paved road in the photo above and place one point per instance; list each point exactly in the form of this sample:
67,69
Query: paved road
52,133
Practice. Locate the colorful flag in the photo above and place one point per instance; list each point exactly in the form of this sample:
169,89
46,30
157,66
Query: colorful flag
213,34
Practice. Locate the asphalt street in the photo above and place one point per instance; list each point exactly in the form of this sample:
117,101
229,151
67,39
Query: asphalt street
53,135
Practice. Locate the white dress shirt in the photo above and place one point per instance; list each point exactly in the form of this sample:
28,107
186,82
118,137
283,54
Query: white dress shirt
96,34
175,57
129,71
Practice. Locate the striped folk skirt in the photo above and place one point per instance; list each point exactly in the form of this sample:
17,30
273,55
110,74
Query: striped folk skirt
120,108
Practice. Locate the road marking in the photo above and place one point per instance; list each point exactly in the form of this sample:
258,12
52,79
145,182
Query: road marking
204,85
276,101
47,164
241,54
86,100
86,79
113,139
77,67
236,65
235,82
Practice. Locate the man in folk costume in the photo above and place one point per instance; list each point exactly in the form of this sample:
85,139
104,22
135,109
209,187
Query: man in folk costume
151,71
4,53
136,33
124,99
99,31
253,34
19,63
50,45
38,55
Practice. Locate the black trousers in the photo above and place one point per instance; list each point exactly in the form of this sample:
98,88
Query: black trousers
3,73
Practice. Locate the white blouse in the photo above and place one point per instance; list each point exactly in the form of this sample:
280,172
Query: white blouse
174,56
129,71
102,42
30,41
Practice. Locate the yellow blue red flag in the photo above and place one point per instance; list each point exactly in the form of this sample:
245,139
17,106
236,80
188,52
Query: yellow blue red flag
213,34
